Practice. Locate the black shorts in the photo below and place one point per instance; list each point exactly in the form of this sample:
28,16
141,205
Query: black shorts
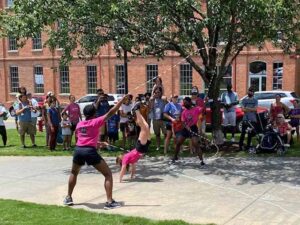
142,148
168,126
123,127
87,154
187,134
73,126
113,136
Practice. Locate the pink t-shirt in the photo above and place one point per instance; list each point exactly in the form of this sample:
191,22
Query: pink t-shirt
190,116
87,131
131,157
74,112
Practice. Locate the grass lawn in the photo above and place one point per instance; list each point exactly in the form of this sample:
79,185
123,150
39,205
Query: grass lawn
17,213
13,148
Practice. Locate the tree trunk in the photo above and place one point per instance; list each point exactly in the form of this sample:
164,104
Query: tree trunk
216,113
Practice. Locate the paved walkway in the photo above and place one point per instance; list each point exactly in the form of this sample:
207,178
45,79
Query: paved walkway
228,191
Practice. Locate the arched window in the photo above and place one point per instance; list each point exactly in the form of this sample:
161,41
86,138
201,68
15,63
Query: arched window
258,75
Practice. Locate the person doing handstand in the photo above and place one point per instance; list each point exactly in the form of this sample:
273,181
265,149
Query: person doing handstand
141,147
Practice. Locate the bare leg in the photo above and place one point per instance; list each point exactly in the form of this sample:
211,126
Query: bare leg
167,141
122,172
197,147
22,136
32,137
133,169
108,183
144,135
179,142
73,178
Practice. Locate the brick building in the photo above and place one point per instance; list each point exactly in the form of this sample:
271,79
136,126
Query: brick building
37,68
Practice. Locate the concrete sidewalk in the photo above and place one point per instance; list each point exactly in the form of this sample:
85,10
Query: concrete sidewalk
227,191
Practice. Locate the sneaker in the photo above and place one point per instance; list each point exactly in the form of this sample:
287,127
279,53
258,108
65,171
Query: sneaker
232,139
24,146
68,200
112,205
157,149
287,145
202,163
34,145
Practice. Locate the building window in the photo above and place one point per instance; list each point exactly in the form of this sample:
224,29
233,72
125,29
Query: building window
258,75
12,44
120,79
277,75
14,78
64,79
92,79
9,3
37,41
152,72
38,79
186,79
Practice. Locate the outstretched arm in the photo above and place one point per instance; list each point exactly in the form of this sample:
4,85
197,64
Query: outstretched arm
122,172
113,111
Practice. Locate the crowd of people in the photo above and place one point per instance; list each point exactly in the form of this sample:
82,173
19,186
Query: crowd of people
134,118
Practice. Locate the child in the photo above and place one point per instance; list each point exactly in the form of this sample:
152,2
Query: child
131,130
295,118
66,130
141,147
284,129
113,128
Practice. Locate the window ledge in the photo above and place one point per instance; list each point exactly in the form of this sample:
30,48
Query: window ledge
13,51
64,94
37,50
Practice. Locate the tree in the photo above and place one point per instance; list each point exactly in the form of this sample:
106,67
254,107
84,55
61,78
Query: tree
192,28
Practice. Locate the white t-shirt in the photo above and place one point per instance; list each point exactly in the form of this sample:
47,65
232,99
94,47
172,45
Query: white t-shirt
34,104
2,109
126,109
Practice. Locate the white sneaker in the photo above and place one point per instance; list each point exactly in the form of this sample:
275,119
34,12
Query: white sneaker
287,145
157,149
232,139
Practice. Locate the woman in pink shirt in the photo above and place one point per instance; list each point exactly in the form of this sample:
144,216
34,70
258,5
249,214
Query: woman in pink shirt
141,147
190,118
86,152
74,113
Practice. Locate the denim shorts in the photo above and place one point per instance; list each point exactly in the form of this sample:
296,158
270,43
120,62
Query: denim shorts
86,154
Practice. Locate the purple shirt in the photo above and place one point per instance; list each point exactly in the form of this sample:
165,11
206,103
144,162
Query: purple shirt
74,112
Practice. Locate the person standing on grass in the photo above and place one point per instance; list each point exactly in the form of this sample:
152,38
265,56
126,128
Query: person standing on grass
172,109
34,110
74,113
229,100
295,118
189,118
3,116
23,111
124,110
53,123
66,130
141,147
86,152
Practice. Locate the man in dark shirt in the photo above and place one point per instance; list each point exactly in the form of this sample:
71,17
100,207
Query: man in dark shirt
249,105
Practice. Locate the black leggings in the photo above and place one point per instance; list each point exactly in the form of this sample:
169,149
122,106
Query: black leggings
3,134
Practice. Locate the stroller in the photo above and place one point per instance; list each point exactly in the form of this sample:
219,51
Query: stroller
268,138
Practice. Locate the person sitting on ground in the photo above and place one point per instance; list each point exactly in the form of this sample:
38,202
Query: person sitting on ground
284,129
141,147
86,151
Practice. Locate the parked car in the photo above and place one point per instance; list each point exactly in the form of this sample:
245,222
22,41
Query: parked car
40,99
261,111
91,98
266,98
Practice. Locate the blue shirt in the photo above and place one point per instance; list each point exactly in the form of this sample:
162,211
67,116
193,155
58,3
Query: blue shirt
172,110
249,103
54,116
25,116
158,109
102,109
112,124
